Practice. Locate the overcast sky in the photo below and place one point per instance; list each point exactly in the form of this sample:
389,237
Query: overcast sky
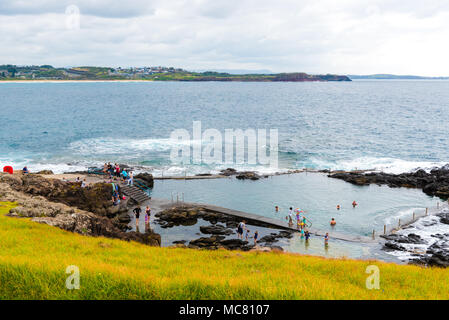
316,36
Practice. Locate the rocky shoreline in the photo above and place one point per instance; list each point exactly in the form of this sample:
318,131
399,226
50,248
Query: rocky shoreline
89,211
433,183
221,231
66,205
429,249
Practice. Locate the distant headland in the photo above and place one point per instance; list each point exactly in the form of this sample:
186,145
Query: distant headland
49,73
393,77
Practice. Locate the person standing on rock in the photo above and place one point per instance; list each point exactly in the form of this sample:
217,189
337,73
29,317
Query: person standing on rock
117,171
290,217
131,178
124,174
110,170
240,229
137,211
147,215
256,235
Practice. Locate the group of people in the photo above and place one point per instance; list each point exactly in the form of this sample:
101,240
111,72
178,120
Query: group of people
354,204
115,173
301,223
137,211
333,222
83,182
241,229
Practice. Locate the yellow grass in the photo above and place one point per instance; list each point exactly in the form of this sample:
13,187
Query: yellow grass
34,258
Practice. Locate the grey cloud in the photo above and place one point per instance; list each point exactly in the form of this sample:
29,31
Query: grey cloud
100,8
311,35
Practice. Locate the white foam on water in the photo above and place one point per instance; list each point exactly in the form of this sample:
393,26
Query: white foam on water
109,146
426,227
405,215
55,167
387,165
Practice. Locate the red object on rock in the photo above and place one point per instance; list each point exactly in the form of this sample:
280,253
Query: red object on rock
8,169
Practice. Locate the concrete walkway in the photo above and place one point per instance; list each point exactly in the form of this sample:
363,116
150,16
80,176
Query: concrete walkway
158,204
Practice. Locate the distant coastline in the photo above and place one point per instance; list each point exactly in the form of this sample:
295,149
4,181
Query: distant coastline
49,73
393,77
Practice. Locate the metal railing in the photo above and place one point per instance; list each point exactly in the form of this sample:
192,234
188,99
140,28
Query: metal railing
407,220
142,186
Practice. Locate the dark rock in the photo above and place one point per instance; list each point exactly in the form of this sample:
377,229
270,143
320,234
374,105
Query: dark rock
439,259
147,178
393,246
435,183
216,229
286,234
268,238
204,242
96,198
87,223
444,220
228,172
410,239
245,175
45,172
234,243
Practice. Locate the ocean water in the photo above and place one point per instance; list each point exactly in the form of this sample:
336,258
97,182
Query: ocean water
393,126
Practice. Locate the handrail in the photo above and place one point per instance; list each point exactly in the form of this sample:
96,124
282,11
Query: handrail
309,226
142,186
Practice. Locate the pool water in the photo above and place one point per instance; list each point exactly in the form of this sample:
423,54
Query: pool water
314,193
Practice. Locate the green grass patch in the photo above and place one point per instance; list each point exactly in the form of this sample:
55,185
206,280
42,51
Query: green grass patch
34,258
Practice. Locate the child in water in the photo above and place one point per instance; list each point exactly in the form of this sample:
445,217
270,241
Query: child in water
256,234
326,239
307,235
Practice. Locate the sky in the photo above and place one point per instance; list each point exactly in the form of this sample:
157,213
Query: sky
314,36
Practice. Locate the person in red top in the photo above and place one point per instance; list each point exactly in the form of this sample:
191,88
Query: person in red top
117,170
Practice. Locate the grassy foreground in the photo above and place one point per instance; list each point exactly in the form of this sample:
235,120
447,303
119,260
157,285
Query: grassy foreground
34,258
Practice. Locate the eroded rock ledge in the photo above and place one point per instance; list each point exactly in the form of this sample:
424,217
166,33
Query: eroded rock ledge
217,233
66,206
